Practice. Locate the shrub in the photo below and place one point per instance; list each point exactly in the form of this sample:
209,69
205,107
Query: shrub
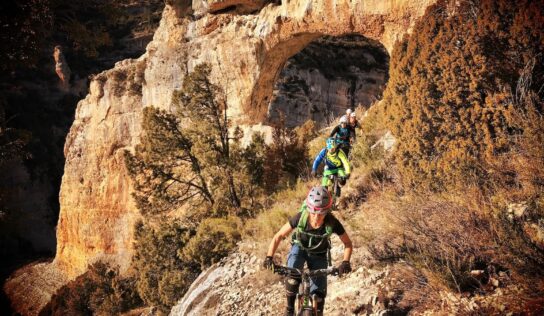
445,101
162,278
99,291
414,229
214,239
362,155
287,155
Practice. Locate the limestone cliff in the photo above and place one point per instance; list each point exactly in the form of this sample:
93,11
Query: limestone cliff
247,53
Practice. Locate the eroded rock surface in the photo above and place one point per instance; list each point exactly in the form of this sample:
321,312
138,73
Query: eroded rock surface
327,77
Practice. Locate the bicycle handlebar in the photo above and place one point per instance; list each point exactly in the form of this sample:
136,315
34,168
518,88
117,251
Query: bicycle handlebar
331,176
282,270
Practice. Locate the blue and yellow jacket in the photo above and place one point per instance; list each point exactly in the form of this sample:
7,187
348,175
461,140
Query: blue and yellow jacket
332,160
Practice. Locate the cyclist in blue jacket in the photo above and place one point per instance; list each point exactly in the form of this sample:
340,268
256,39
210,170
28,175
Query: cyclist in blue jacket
336,162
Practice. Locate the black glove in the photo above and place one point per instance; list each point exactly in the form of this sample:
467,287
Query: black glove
347,176
268,263
314,174
344,268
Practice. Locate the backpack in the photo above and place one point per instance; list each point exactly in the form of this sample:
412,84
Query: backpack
299,230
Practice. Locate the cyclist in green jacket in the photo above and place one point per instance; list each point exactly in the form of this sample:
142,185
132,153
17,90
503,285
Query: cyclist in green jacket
336,162
310,244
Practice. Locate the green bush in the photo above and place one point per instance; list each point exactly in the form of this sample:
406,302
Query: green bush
99,291
162,278
214,239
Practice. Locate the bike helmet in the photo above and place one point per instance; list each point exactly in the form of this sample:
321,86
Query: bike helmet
353,115
343,119
331,143
319,200
348,112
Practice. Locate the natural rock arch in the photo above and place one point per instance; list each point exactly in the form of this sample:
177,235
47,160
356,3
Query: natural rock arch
298,23
328,76
256,107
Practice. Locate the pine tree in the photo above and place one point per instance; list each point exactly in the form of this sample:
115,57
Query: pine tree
166,171
203,106
162,277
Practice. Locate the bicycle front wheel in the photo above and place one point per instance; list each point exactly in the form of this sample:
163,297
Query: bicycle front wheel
307,312
336,187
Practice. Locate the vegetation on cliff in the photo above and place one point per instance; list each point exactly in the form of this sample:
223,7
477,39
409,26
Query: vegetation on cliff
454,90
190,165
99,291
465,101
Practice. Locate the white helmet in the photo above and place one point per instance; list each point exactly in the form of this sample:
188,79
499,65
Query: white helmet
319,200
348,112
353,115
343,119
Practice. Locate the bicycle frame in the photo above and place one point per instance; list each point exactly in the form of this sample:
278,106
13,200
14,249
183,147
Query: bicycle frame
305,301
335,184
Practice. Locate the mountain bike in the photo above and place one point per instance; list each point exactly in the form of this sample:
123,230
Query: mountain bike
306,303
334,187
335,180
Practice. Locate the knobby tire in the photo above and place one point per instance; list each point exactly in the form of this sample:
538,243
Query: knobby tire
307,313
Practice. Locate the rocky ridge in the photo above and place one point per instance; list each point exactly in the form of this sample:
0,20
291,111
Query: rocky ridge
238,286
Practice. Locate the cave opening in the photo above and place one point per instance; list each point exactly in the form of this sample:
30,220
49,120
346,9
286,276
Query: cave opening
328,76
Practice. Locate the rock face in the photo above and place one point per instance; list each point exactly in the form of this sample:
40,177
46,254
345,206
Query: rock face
97,213
61,66
327,77
231,6
247,53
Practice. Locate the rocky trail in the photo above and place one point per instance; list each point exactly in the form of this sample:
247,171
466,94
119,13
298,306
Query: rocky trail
239,286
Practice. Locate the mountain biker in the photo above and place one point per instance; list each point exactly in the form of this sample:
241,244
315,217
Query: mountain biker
343,134
353,124
336,162
310,244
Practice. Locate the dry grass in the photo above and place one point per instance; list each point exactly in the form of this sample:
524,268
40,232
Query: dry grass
442,238
286,204
446,238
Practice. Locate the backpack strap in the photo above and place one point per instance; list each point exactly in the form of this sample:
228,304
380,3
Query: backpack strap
300,229
301,226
